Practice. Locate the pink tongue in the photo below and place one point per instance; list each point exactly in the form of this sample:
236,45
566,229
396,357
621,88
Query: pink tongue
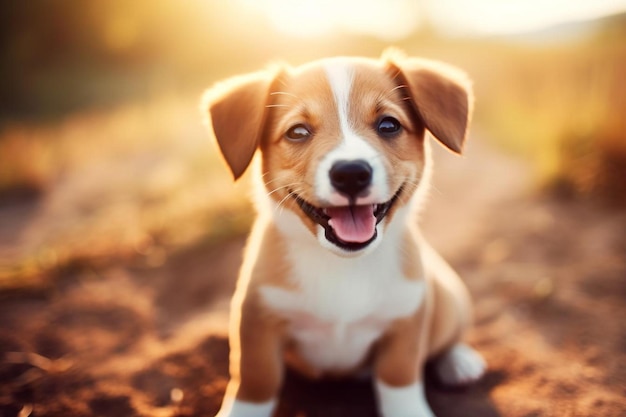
352,224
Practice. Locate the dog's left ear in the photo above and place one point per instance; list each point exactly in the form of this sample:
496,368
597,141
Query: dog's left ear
237,112
440,94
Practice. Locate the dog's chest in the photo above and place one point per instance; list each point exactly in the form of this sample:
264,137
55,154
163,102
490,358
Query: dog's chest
341,306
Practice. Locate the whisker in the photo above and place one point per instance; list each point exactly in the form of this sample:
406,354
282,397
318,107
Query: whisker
398,87
281,203
282,187
434,188
276,105
279,178
284,93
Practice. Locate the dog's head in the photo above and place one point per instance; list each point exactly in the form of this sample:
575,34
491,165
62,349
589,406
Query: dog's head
341,139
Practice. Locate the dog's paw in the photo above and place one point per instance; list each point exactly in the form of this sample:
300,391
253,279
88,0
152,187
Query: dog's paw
461,365
408,401
237,408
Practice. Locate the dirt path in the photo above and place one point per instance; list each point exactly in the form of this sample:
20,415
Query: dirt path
548,277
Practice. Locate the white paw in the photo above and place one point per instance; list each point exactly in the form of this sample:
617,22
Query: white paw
460,365
237,408
408,401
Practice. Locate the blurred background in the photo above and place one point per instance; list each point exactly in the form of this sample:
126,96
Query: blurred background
103,154
121,230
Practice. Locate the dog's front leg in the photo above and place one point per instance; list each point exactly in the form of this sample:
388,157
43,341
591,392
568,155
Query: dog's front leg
399,367
256,367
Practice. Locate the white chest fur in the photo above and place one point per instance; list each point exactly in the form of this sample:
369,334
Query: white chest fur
342,305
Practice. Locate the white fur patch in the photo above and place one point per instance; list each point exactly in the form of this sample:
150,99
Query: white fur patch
342,304
460,365
236,408
407,401
340,76
351,147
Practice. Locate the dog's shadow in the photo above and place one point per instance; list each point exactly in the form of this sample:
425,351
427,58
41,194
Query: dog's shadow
302,397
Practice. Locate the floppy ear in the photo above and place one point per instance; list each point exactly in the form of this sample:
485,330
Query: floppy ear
237,112
440,94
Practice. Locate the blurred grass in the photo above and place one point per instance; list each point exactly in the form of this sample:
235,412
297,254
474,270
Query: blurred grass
103,155
562,107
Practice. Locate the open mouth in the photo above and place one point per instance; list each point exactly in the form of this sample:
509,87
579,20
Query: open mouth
351,228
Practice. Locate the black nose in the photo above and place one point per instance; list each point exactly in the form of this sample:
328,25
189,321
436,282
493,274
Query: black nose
351,177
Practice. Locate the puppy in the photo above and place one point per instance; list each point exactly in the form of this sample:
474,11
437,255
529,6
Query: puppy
336,276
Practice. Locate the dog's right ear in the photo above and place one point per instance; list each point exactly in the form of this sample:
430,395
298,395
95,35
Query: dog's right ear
440,94
237,110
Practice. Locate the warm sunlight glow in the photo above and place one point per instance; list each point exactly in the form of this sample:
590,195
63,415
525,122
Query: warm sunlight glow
390,20
508,17
393,20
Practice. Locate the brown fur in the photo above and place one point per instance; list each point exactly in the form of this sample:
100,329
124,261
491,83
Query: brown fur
252,113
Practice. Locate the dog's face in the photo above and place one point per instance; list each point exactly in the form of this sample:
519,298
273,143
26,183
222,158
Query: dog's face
342,140
342,150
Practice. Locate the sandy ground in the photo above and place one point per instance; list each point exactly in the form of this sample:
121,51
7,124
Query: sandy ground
548,278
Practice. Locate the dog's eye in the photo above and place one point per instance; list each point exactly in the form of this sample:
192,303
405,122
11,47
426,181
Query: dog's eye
388,127
298,133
